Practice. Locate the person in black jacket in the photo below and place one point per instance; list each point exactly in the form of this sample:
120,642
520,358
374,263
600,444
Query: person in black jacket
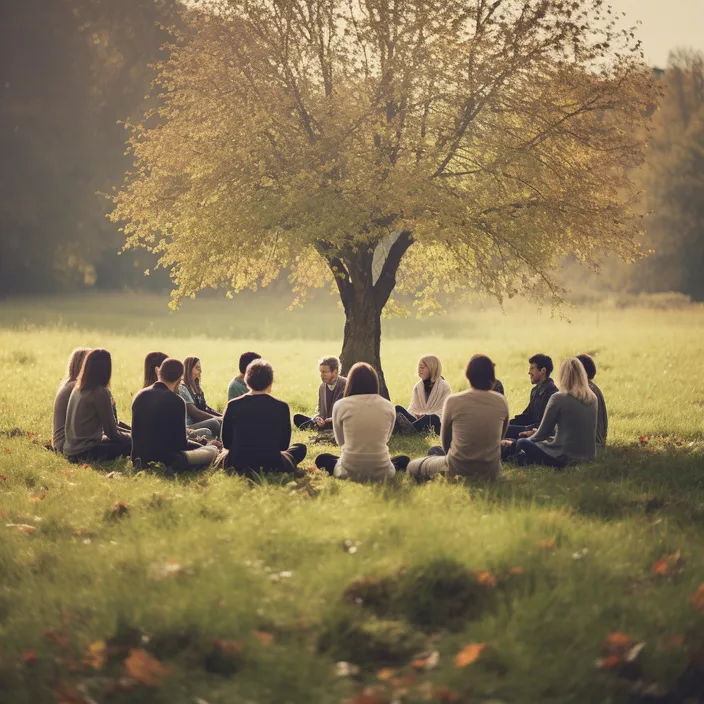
159,425
539,371
256,428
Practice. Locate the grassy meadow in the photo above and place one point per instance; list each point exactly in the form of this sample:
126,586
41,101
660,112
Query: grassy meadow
118,586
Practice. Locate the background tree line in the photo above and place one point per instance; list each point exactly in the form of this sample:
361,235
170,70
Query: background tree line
70,70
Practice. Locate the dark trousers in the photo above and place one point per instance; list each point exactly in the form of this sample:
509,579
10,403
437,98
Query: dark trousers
105,451
422,424
303,422
536,455
513,430
289,461
327,462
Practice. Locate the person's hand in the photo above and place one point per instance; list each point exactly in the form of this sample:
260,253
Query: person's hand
320,422
216,443
506,443
527,433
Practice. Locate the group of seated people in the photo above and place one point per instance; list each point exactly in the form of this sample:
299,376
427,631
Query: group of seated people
173,425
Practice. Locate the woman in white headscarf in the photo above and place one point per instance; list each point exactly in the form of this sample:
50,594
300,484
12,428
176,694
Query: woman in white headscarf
425,410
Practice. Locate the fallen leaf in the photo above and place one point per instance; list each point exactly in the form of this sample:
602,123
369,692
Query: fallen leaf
469,654
697,599
96,655
85,466
643,439
426,661
145,669
21,528
666,563
230,648
3,477
29,656
266,639
486,578
610,663
616,643
547,545
516,571
385,674
36,498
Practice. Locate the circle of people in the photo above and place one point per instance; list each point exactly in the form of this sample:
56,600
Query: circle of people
172,424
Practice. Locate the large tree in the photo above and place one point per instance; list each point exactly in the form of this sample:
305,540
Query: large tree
430,146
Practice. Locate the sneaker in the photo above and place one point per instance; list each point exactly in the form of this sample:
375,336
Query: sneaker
404,426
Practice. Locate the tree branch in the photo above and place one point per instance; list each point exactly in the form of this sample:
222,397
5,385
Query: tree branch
387,279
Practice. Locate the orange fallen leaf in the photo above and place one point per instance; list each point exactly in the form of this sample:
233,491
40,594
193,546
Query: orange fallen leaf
547,545
3,477
697,598
611,662
266,639
486,578
145,669
21,528
516,571
385,674
616,643
666,563
96,655
426,661
29,656
469,654
36,498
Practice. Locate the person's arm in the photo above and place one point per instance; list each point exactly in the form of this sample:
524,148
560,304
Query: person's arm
103,406
550,419
524,418
285,441
413,407
337,426
227,425
446,427
195,413
176,418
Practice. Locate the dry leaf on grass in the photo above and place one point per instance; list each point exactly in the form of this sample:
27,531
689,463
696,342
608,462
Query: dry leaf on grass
145,669
29,656
516,571
266,639
426,661
3,477
696,599
36,498
469,654
486,578
96,655
547,545
666,564
163,570
21,528
619,650
385,674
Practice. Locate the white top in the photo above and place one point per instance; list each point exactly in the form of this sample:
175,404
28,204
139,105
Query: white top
435,401
363,425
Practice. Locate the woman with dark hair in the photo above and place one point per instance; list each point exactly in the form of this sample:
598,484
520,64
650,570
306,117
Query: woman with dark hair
473,425
152,362
91,429
363,422
199,415
75,362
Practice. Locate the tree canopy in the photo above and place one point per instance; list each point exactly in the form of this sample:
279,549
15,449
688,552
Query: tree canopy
431,146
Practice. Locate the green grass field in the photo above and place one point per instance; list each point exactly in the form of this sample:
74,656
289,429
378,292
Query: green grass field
123,587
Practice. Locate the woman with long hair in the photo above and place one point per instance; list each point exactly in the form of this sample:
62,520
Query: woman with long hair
91,430
199,415
363,422
571,414
425,410
75,362
152,362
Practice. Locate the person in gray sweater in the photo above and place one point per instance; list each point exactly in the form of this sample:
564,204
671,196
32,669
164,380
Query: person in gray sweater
573,412
91,430
75,362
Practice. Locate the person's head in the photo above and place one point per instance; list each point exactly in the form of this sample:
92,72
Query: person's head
191,373
480,373
96,370
75,362
572,379
588,364
245,360
429,368
259,376
329,369
540,368
151,364
171,373
362,379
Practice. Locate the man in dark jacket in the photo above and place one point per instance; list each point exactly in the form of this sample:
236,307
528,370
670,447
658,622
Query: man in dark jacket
543,388
159,425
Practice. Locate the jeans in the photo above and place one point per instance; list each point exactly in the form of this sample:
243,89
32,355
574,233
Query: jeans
536,455
210,427
422,424
106,450
513,430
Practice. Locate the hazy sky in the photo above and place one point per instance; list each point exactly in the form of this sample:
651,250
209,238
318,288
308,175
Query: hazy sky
667,24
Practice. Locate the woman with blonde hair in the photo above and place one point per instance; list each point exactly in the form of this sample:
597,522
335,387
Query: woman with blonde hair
75,362
571,416
429,394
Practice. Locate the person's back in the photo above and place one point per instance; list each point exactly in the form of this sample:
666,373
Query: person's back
88,417
60,410
256,429
158,425
575,437
363,424
476,421
602,418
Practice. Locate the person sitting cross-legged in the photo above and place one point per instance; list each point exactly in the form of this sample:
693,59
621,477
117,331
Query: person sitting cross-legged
159,425
199,416
63,394
539,370
363,422
237,386
602,417
256,428
429,394
473,424
329,393
572,412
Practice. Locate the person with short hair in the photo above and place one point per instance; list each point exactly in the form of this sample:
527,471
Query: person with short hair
602,417
256,428
539,370
199,416
473,425
237,386
572,413
152,362
363,422
75,362
329,393
159,425
91,429
428,397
